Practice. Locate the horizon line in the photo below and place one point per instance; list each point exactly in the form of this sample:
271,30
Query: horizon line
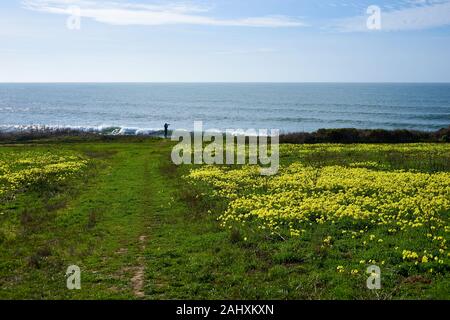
226,82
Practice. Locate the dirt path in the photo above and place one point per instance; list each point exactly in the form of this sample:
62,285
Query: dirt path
139,275
127,201
150,202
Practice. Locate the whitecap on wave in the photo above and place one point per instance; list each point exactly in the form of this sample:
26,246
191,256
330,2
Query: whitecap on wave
102,129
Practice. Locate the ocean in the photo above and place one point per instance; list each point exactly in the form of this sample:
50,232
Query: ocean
144,108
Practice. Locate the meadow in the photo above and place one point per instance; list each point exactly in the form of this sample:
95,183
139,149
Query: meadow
140,227
361,205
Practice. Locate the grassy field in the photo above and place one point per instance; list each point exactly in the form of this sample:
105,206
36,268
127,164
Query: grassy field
141,228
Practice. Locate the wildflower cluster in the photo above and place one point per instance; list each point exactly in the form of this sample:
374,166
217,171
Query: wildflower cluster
20,170
365,193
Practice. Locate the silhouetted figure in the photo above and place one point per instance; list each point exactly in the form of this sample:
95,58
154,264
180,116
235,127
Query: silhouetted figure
166,130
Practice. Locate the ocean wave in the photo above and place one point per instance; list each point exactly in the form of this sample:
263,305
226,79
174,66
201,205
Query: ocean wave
14,109
102,129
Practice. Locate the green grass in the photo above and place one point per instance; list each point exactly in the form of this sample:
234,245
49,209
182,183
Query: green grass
137,231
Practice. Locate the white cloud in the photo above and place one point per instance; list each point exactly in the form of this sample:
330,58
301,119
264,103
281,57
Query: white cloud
418,15
152,14
246,51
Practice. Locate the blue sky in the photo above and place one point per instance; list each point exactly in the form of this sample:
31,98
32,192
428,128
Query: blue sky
224,41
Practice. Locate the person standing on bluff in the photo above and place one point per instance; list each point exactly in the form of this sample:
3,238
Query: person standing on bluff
166,130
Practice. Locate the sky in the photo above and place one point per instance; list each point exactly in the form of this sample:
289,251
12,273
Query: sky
225,41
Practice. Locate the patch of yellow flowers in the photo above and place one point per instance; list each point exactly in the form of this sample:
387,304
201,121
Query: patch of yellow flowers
22,169
301,194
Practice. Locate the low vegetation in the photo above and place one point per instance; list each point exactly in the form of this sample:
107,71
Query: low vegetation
140,227
355,203
367,136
